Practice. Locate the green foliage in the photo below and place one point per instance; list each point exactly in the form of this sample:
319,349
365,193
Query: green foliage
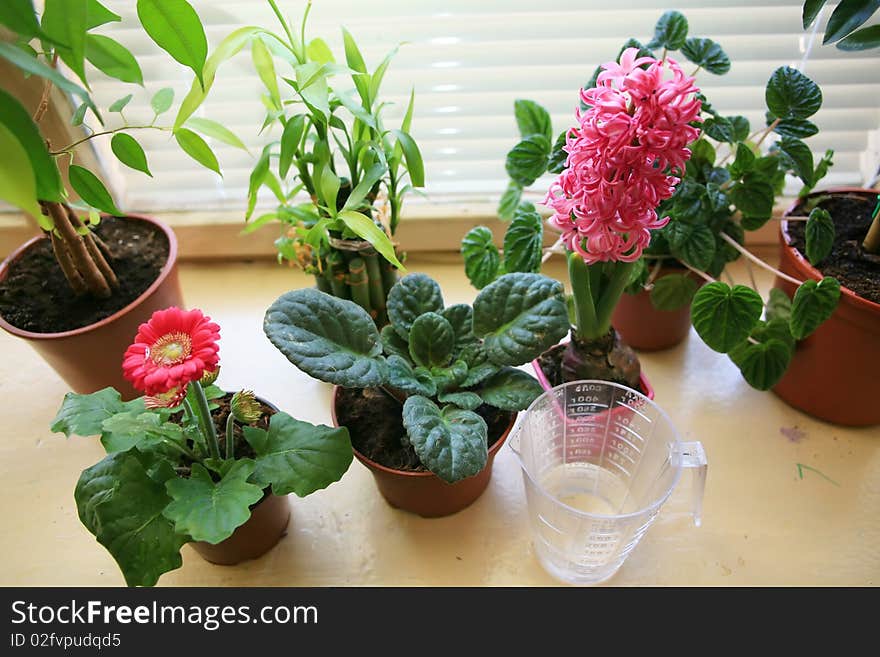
670,32
175,27
482,260
724,316
843,24
673,291
455,357
128,151
528,160
819,235
813,303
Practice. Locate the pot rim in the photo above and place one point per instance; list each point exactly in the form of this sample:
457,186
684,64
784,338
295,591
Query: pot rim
370,463
163,274
803,265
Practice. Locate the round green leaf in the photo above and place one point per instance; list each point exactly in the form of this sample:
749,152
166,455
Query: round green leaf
129,152
412,381
197,148
820,234
528,160
451,443
693,243
670,32
461,317
753,199
813,303
509,200
162,100
558,155
91,190
532,119
723,316
796,128
673,291
791,94
524,240
431,340
175,27
762,364
113,58
510,389
331,339
393,344
707,54
469,401
720,129
412,296
481,257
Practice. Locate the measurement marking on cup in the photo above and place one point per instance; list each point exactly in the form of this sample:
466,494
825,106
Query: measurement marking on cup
637,412
544,520
801,467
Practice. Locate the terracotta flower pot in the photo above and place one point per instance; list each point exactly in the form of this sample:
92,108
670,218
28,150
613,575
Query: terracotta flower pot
424,493
646,328
833,374
262,531
90,358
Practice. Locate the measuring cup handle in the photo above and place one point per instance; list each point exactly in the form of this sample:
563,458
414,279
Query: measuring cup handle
694,456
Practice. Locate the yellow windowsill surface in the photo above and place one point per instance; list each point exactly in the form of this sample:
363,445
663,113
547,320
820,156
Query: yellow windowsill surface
763,523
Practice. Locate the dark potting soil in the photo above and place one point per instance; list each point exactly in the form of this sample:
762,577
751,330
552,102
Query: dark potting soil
375,425
848,262
36,297
551,364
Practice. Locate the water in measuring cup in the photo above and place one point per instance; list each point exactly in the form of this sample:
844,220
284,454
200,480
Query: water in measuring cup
588,488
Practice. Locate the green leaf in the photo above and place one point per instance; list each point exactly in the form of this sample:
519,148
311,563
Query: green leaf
723,316
796,128
329,188
312,86
317,50
175,27
461,317
510,389
265,67
65,22
524,240
693,243
20,17
670,32
258,175
113,58
84,415
449,378
393,344
298,457
469,401
558,155
482,261
673,291
290,139
778,305
847,16
867,37
762,364
745,159
519,316
331,339
97,15
162,100
123,431
509,200
216,131
813,303
129,152
365,228
720,129
79,115
532,119
414,164
811,10
431,340
197,148
741,127
91,190
792,95
412,296
412,381
754,198
368,181
703,151
121,504
23,130
120,104
479,367
820,234
451,443
528,160
210,511
356,62
707,54
801,157
379,75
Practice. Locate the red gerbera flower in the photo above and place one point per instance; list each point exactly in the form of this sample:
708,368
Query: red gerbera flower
172,349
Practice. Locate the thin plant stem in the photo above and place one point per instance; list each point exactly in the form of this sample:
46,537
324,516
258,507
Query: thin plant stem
655,271
44,99
203,412
284,25
551,250
190,414
736,245
230,434
68,149
699,273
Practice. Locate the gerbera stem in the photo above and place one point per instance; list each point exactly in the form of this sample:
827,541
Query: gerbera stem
230,438
197,394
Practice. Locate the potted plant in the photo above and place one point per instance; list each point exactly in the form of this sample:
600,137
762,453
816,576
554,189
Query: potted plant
79,291
334,148
189,463
430,399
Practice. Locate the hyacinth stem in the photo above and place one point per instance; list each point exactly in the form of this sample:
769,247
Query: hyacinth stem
230,434
611,294
196,394
584,305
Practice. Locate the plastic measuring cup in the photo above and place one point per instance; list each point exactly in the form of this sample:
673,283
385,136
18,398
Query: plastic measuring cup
598,460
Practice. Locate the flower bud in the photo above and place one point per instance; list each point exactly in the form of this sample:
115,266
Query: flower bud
209,377
245,407
170,399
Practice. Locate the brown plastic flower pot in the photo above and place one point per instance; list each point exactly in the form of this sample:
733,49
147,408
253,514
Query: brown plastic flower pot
833,373
644,327
424,493
262,531
90,358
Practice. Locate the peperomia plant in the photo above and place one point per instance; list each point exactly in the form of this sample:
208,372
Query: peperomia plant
171,475
440,363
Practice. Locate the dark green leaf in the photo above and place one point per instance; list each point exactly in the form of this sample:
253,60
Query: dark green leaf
407,379
753,199
135,428
210,511
331,339
65,22
431,340
84,415
847,16
91,190
820,235
412,296
811,10
120,104
129,152
121,504
791,94
778,305
509,200
197,148
19,16
745,159
510,389
20,125
762,364
673,291
393,344
451,443
481,257
479,367
175,27
707,54
461,317
290,139
519,316
813,303
448,378
670,32
796,128
558,155
532,119
524,240
298,457
113,58
469,401
528,160
720,129
692,242
741,127
703,151
801,157
867,37
819,173
723,316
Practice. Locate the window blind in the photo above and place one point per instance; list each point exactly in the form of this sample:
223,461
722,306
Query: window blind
468,61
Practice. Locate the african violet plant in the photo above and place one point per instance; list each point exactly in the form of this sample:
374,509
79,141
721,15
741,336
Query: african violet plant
440,363
170,476
727,187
